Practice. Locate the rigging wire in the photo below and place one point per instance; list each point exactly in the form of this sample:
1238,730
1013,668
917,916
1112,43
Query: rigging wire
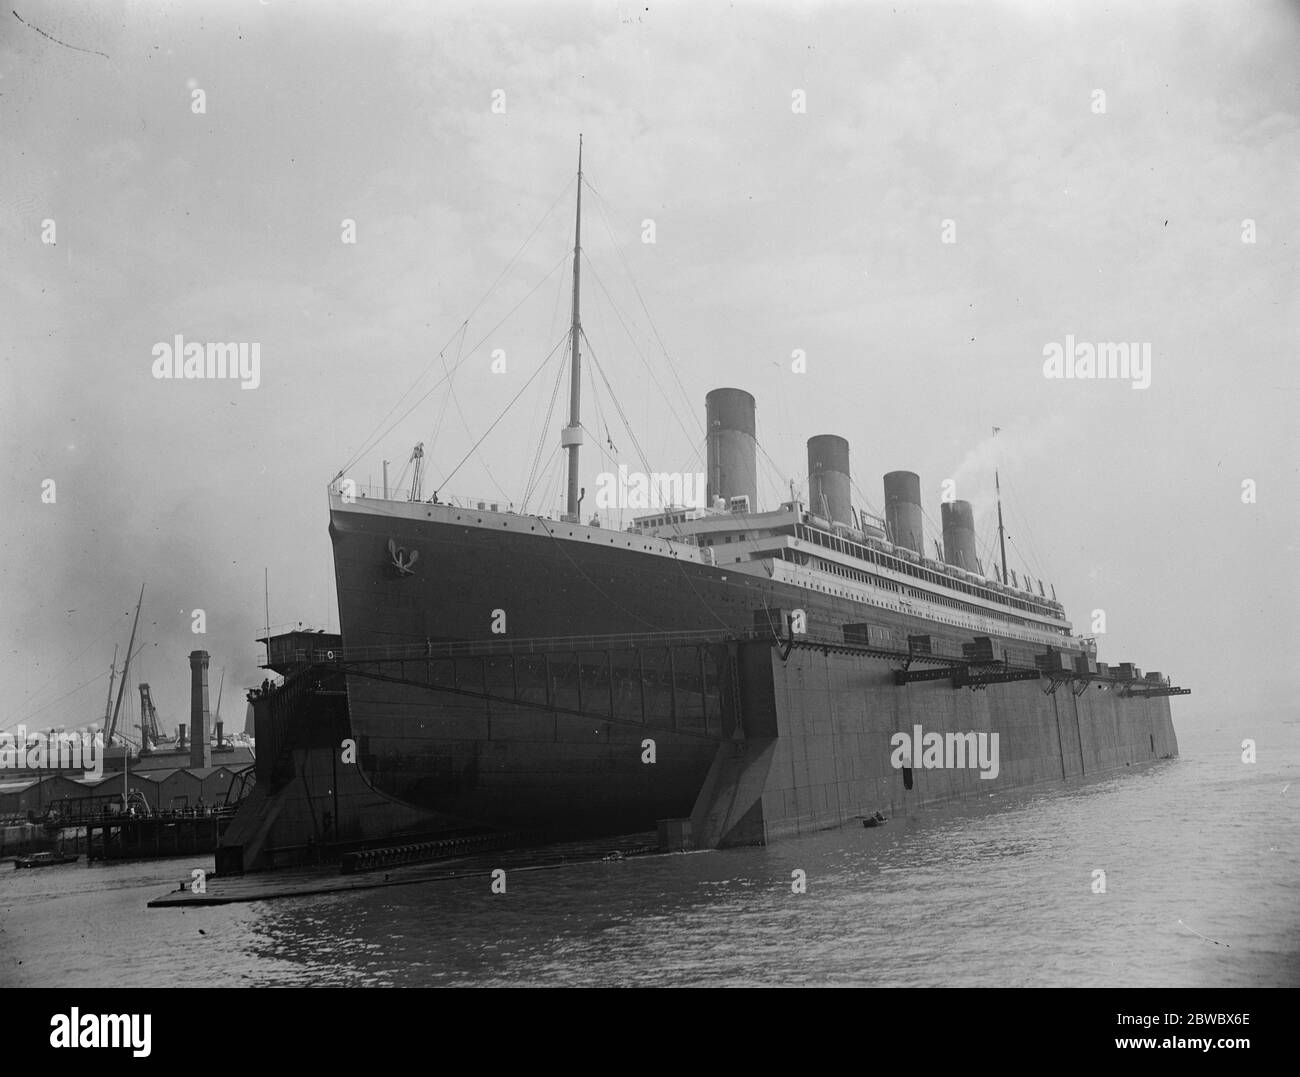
546,427
545,475
696,452
482,462
866,501
401,478
591,352
706,606
442,415
25,716
603,593
781,483
531,378
368,443
672,366
71,691
595,436
1025,565
433,388
451,396
989,548
672,407
32,696
533,475
558,478
1023,527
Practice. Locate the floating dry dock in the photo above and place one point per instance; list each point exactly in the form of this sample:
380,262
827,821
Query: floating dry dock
757,735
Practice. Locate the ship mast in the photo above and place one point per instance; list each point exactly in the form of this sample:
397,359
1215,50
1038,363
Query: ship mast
112,728
571,435
1002,536
112,675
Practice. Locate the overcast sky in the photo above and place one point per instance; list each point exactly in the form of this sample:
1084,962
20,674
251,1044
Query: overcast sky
798,162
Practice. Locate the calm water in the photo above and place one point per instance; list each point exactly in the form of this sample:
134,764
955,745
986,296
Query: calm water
998,894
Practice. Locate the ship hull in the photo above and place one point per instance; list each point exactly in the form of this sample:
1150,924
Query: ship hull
604,738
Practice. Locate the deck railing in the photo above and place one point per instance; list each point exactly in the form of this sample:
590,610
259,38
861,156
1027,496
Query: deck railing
371,492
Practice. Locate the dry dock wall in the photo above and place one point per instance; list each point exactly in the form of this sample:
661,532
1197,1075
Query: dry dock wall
323,805
795,737
817,746
308,801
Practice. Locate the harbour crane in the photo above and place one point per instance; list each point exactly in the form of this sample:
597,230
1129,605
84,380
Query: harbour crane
150,733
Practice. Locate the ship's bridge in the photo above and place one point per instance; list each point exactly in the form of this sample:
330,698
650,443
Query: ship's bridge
286,651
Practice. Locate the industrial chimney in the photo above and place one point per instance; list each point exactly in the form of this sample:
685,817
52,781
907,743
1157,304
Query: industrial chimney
903,510
731,453
959,534
180,735
828,478
200,750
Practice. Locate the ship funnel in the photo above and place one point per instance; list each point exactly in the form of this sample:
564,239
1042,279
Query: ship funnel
959,535
200,749
903,510
732,457
828,478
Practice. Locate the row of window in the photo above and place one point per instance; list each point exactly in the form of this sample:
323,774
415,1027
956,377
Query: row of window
926,596
861,577
864,553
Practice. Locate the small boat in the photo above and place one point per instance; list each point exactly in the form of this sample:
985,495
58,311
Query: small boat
44,860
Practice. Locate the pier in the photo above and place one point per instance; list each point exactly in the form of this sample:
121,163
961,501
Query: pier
179,833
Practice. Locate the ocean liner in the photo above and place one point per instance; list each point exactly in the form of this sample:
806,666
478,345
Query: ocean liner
729,672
